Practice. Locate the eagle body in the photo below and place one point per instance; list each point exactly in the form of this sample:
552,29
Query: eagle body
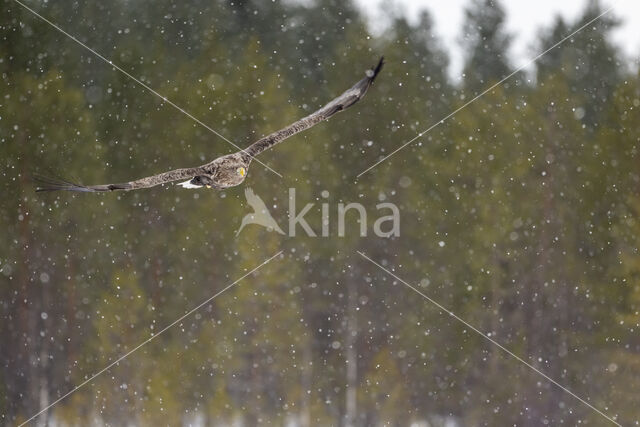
224,172
229,170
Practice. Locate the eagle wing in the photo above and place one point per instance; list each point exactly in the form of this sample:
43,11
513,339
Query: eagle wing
342,102
55,184
347,99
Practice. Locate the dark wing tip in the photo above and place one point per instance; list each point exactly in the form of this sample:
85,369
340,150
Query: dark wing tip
44,183
375,71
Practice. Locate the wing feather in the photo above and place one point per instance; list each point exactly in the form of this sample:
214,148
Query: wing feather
342,102
56,184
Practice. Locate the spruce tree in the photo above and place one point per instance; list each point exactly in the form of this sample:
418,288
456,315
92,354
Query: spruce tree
486,43
589,61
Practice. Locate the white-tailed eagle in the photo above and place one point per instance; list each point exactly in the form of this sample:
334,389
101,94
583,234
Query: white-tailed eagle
229,170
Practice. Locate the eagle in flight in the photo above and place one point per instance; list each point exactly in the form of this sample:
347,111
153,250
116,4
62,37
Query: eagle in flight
230,170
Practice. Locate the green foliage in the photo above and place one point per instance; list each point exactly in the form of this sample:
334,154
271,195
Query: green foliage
519,213
486,44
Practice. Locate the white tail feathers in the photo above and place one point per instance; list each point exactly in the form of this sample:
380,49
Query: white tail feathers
188,184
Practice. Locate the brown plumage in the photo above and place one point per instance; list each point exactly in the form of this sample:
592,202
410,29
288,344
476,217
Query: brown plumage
230,170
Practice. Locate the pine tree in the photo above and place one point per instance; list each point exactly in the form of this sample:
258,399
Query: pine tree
486,45
590,63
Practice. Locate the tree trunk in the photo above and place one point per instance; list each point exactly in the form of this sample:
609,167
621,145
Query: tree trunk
351,355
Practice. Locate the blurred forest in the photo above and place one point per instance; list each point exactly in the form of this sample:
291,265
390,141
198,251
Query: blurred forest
520,214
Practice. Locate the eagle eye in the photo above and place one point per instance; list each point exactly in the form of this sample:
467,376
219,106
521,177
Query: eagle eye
242,171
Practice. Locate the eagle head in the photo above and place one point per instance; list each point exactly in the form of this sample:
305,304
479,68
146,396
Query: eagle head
229,171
